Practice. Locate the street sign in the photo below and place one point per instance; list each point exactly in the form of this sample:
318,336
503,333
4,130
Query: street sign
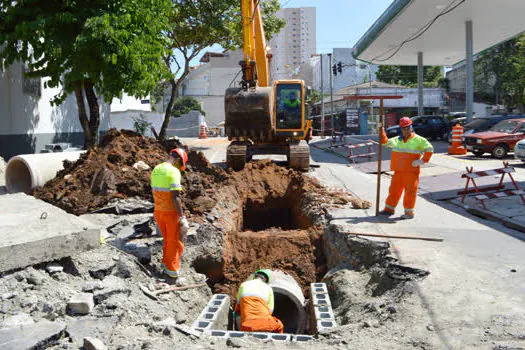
352,117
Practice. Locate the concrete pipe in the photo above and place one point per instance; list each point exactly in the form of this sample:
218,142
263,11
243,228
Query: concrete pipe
289,302
27,171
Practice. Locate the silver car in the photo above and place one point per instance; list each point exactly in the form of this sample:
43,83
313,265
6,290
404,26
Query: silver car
519,150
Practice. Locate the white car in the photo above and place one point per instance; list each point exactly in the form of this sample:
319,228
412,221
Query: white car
519,150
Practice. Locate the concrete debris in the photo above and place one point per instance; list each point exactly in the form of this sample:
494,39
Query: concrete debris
54,268
78,329
140,165
40,335
81,303
94,344
17,320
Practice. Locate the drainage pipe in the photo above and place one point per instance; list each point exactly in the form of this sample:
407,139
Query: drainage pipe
27,171
289,302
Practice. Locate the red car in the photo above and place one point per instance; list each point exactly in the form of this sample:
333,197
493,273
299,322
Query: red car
498,140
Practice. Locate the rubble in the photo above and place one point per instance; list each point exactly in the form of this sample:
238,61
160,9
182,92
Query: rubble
81,304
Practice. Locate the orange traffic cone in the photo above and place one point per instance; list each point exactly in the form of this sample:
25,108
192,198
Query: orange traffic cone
202,134
457,141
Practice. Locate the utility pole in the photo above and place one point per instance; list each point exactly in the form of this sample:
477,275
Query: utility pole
322,98
332,124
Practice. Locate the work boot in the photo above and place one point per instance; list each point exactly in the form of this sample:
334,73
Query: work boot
407,216
172,274
385,213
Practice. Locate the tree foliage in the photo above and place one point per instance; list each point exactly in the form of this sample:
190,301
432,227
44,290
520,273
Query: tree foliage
407,75
186,104
502,69
196,25
97,48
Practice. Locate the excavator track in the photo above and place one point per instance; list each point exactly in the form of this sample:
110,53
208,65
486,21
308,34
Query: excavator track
299,156
236,155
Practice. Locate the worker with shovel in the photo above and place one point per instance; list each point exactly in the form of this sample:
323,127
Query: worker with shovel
166,188
407,150
255,303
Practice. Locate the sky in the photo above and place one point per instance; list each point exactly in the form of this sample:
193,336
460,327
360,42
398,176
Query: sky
341,23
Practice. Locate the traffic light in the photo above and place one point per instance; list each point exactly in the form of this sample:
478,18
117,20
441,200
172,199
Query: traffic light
340,67
334,69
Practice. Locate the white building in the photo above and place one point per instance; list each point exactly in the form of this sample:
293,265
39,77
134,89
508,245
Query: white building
208,82
353,71
28,121
295,43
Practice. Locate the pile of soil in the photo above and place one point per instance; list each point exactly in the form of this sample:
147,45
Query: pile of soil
107,173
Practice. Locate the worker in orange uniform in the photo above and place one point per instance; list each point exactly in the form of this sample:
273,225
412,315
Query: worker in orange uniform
407,150
255,303
166,187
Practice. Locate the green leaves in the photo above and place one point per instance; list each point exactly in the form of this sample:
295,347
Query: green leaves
184,105
407,75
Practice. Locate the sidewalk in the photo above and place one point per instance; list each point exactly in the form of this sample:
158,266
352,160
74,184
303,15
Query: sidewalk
477,273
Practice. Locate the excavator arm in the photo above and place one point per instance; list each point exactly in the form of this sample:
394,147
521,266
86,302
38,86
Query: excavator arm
256,64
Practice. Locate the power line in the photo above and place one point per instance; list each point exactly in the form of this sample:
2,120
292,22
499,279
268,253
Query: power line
419,33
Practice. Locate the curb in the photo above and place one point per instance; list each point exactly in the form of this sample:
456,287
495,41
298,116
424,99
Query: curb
486,214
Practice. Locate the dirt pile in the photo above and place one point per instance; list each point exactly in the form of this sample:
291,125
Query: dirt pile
120,167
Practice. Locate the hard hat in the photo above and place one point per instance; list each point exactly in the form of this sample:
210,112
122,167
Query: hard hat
264,273
182,155
404,122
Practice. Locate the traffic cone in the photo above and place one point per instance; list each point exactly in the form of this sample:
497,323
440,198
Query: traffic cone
202,134
457,141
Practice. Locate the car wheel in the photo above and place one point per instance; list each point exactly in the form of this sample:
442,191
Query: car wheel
500,151
478,153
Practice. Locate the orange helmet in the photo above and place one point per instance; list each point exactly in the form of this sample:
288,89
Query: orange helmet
404,122
179,152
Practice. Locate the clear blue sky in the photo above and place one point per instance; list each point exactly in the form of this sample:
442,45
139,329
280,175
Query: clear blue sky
341,23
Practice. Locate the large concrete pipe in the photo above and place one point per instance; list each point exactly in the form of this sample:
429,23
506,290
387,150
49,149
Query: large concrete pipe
27,171
289,302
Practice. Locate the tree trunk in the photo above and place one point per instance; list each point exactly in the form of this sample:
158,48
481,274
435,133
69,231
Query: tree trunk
169,109
82,115
94,113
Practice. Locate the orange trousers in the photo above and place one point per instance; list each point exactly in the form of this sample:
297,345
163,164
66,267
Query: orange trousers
169,225
407,181
270,324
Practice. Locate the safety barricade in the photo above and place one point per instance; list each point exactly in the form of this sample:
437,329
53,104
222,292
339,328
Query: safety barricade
499,189
351,148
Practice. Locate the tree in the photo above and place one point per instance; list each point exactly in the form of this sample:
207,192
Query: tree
196,25
186,104
99,47
407,75
502,69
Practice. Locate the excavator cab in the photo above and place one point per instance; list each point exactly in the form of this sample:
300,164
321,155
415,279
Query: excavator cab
289,108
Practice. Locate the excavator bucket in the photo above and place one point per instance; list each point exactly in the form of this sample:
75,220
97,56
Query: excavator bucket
249,113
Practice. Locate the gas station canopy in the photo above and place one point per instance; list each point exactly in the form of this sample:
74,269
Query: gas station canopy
436,28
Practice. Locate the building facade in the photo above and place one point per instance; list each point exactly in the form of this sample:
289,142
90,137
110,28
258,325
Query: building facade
28,120
295,43
208,82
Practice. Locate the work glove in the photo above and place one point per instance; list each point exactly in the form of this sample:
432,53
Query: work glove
184,227
417,163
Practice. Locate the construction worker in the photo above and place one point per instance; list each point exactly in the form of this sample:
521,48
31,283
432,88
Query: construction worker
255,303
292,103
405,163
166,187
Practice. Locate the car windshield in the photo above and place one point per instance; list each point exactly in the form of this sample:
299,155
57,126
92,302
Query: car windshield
477,124
505,126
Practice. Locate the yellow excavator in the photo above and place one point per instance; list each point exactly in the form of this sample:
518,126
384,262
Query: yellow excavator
264,119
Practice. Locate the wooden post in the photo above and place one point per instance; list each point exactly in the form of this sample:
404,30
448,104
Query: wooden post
379,156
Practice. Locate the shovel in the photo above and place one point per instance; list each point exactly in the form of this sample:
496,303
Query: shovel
153,294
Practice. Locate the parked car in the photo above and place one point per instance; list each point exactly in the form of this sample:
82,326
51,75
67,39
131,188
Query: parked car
483,124
519,150
498,140
430,126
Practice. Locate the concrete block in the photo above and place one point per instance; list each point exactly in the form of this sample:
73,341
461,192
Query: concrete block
318,288
302,338
323,312
215,314
326,324
94,344
321,299
280,337
33,231
81,303
40,335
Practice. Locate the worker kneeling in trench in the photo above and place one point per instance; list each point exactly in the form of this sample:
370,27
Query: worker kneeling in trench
255,303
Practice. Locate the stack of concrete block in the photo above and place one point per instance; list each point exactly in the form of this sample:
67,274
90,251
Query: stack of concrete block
322,315
215,314
278,337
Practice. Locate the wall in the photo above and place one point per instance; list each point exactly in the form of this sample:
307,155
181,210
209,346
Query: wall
28,121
